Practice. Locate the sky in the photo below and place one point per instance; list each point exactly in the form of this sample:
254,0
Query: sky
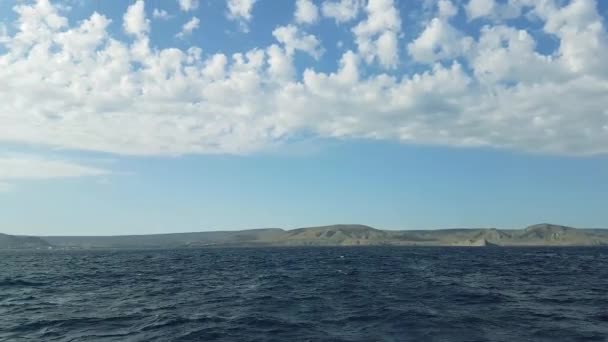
133,117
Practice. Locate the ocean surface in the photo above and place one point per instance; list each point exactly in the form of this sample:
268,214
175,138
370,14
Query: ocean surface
306,294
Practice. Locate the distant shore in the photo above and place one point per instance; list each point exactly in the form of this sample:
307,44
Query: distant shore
333,235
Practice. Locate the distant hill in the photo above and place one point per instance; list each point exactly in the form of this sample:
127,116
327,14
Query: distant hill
342,235
334,235
541,235
22,242
251,236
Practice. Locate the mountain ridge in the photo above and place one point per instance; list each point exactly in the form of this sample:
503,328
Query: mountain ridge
22,242
543,234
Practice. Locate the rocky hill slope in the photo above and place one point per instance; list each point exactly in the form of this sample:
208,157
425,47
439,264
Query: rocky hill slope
334,235
22,242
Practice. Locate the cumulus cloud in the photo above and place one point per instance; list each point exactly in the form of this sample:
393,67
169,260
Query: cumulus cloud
439,41
291,37
160,14
341,10
135,21
494,10
187,5
505,54
189,27
280,64
446,9
479,8
240,10
583,41
306,12
74,85
376,37
18,167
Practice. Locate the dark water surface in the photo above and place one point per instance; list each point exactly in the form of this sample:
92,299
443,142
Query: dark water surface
306,294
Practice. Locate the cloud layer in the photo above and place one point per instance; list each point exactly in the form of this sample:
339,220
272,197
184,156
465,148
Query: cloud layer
75,86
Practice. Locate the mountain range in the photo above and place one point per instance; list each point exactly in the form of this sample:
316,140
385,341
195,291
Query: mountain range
334,235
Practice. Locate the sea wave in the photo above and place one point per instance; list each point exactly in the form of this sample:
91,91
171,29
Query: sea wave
306,294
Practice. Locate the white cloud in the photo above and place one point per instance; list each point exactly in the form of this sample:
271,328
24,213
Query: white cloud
291,37
189,27
135,21
306,12
341,10
19,167
491,9
280,64
438,41
188,5
240,10
480,8
160,14
78,87
583,40
387,46
446,9
376,37
37,23
215,67
505,54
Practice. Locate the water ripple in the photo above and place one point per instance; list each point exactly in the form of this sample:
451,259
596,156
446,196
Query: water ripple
306,294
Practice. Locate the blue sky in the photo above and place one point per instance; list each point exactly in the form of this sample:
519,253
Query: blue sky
168,116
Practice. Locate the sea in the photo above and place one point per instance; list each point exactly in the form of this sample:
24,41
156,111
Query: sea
306,294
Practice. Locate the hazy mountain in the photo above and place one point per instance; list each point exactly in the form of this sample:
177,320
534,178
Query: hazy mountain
22,242
342,235
334,235
251,236
537,235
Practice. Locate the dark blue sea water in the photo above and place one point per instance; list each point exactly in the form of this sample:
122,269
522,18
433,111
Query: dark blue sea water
306,294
